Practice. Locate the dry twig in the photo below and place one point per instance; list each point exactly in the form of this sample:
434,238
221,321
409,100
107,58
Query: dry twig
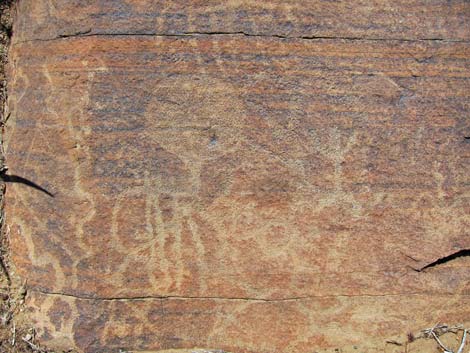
440,329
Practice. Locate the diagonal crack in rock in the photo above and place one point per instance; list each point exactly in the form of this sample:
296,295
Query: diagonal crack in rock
445,259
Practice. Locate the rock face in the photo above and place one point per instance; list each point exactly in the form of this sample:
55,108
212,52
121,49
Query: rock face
245,176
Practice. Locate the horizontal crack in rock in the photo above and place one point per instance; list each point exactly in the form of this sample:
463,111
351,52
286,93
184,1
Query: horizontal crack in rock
175,297
88,33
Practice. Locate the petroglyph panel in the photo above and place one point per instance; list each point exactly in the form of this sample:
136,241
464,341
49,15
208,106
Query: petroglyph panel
237,192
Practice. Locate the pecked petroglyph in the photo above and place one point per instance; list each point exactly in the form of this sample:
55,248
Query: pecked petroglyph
250,193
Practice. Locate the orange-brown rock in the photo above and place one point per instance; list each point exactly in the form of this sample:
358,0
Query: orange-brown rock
245,176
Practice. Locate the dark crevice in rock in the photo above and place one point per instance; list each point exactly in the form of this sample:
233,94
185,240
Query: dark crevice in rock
261,300
89,33
18,179
445,259
76,34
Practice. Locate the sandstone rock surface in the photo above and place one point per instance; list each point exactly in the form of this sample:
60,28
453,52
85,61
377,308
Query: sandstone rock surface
245,176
